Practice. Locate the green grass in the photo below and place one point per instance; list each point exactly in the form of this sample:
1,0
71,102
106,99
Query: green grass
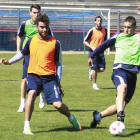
48,123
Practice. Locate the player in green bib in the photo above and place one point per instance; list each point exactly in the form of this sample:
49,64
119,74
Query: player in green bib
125,69
28,29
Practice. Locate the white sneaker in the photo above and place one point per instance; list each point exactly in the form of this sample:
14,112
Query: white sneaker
95,87
42,100
21,109
27,131
90,74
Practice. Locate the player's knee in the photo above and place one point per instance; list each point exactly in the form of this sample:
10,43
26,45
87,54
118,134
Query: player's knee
122,88
57,105
24,81
32,94
102,69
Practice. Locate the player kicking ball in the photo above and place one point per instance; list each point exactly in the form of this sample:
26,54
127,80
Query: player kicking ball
44,72
125,69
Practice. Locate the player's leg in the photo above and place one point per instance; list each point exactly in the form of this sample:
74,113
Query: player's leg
90,70
125,93
101,62
90,74
120,99
29,107
23,95
111,110
53,96
100,70
94,73
63,109
97,116
94,78
42,100
23,88
24,84
119,78
34,87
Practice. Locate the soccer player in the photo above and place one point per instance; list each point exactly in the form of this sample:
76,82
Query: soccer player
97,35
28,29
44,72
125,69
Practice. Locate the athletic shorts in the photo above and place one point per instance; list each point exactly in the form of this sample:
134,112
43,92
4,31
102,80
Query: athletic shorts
48,83
98,60
25,66
120,76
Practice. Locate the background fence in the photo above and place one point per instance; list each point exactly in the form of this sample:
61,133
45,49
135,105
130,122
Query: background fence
69,25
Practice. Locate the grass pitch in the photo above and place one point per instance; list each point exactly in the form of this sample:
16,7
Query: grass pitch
48,123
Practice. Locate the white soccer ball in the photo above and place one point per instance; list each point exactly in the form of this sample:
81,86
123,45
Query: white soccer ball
117,128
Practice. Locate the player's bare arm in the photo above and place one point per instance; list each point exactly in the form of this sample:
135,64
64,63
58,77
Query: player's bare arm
90,62
88,45
61,89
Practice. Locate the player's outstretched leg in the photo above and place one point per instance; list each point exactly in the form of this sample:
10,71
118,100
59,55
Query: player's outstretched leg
95,122
120,116
42,100
62,108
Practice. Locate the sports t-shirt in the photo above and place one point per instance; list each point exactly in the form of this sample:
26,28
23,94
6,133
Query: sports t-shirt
43,55
29,30
127,49
96,36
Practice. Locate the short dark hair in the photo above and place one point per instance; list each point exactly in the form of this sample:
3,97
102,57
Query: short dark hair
42,17
36,6
131,19
98,17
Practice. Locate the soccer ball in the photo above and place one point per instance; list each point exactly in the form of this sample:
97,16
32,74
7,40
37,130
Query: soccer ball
117,128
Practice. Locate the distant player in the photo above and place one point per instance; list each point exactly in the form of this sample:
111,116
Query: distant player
97,35
44,72
28,29
125,69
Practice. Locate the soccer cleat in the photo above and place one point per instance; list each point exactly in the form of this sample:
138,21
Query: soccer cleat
76,124
42,100
94,122
120,116
27,131
90,74
21,109
95,87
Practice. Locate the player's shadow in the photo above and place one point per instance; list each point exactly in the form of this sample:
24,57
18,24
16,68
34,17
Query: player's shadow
71,110
70,129
9,80
137,131
108,88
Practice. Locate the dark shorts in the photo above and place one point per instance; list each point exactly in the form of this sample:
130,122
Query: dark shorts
98,60
120,76
25,66
48,83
